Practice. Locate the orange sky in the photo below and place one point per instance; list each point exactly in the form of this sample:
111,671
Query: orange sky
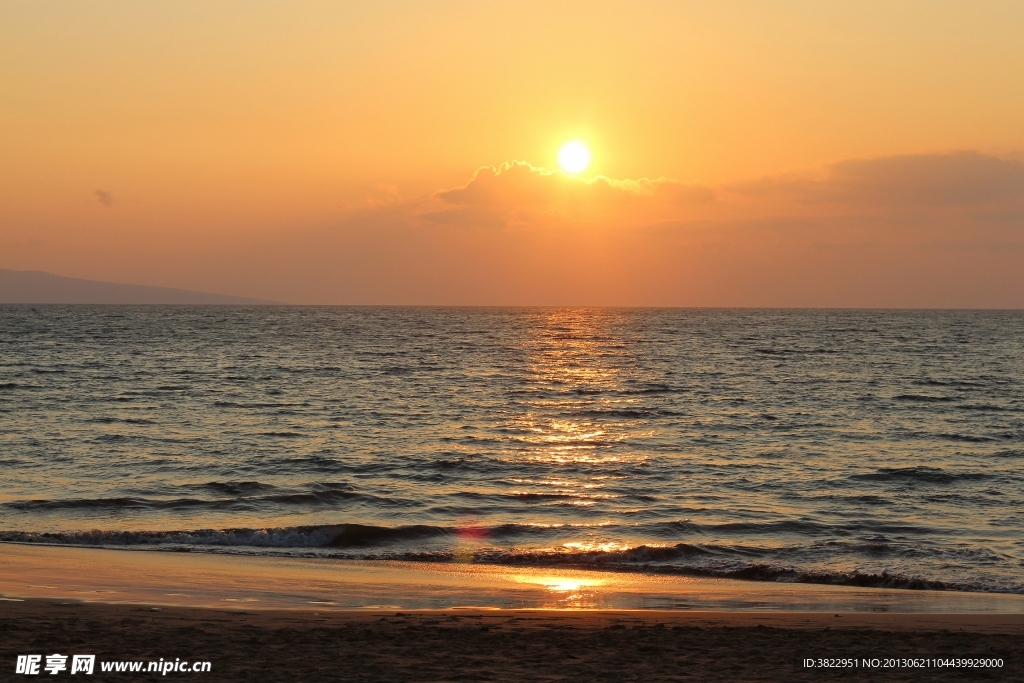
743,153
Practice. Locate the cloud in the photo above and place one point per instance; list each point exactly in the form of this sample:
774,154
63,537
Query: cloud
898,191
105,198
964,180
957,179
517,194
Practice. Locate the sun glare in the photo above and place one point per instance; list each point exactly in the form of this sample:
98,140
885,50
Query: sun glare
574,157
560,584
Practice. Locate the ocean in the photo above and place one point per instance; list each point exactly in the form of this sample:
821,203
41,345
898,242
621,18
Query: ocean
867,448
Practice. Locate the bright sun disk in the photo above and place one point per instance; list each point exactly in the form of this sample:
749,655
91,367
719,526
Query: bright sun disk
574,157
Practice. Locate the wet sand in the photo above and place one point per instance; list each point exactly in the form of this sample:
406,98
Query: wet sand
212,580
144,606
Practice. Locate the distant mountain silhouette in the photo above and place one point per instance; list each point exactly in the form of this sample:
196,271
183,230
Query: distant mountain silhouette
36,287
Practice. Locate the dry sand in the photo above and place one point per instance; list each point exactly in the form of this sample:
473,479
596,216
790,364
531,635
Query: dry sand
506,645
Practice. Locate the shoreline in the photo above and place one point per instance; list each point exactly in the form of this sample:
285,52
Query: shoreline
271,582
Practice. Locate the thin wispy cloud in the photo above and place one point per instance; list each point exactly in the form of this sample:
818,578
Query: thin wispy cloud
951,180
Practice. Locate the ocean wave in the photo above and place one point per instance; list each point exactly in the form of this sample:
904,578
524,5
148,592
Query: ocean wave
354,535
987,407
931,475
236,488
920,398
115,420
313,536
319,464
969,438
246,496
284,537
117,503
344,535
627,413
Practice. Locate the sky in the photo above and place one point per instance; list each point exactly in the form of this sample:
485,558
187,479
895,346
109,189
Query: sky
866,154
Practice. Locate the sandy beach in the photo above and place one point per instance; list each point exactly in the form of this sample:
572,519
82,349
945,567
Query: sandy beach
247,619
509,645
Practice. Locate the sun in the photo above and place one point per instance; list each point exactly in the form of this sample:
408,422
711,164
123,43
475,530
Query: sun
574,157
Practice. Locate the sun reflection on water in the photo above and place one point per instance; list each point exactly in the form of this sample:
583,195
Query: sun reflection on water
559,584
575,413
587,546
566,590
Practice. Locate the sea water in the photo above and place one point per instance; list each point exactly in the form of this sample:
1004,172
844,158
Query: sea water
868,448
